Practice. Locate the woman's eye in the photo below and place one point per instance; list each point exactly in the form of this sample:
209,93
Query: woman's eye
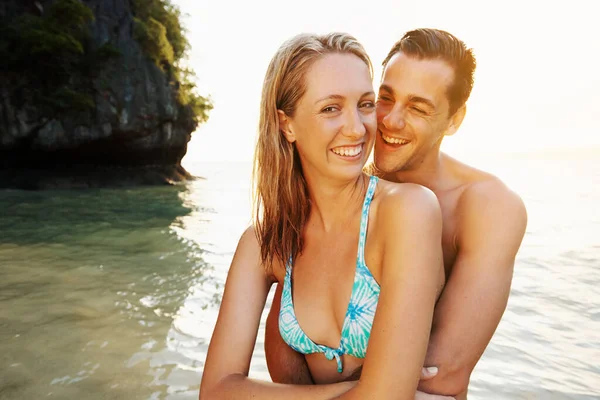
329,109
367,104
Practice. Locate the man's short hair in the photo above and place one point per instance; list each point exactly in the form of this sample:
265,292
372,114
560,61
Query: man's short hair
435,44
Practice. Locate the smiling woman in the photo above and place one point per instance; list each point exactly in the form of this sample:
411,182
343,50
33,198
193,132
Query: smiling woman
326,113
319,222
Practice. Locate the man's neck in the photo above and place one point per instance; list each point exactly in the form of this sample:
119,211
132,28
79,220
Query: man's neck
431,173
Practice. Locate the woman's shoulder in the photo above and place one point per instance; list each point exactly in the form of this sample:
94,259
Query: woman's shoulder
402,198
249,242
249,248
404,206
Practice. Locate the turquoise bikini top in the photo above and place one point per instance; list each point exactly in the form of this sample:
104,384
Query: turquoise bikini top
358,321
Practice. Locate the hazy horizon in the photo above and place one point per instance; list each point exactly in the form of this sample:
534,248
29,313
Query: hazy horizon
536,84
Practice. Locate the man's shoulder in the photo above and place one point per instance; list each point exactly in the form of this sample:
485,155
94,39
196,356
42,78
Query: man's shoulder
488,192
489,208
480,189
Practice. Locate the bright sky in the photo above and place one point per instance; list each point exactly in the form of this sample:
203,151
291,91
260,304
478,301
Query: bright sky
537,84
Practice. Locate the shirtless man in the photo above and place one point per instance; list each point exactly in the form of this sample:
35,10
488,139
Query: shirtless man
427,79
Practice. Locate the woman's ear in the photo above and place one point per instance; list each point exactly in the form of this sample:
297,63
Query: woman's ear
285,127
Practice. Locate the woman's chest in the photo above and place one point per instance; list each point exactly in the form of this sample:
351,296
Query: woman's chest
322,279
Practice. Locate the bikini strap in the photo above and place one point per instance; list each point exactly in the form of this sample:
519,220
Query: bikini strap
288,266
364,220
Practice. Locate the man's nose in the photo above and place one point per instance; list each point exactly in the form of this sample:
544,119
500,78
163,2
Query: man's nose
394,120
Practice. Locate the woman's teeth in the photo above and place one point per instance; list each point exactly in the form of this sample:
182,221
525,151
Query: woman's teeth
348,151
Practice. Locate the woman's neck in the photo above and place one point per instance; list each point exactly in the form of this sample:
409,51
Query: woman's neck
334,202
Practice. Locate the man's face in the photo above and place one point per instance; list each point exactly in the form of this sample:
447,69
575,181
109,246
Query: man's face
412,112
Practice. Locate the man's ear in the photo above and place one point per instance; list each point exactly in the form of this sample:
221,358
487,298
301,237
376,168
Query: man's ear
456,120
285,128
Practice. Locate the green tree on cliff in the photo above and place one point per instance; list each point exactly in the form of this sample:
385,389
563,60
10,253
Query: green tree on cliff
159,31
48,53
49,46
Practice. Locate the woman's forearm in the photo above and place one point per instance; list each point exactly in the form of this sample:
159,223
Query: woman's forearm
241,387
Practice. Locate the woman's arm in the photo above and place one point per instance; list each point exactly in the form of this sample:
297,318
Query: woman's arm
410,223
227,364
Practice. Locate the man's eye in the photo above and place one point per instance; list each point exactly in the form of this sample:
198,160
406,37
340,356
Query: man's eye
417,109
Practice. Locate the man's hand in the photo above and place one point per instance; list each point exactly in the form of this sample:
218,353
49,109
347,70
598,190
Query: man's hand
428,373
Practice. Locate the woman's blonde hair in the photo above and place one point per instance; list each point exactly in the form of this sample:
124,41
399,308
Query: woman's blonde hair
281,201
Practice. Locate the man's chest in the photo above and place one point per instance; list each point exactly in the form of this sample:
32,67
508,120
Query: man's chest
450,228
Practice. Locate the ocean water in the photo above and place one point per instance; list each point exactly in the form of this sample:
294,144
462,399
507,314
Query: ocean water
113,293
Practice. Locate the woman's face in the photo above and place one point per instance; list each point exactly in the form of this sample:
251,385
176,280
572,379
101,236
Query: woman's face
335,121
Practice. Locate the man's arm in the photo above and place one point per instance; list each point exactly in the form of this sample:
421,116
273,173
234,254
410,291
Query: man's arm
491,226
284,363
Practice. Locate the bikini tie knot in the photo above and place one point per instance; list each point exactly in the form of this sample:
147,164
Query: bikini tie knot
331,353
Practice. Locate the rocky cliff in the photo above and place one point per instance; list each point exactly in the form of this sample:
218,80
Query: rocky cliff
90,94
